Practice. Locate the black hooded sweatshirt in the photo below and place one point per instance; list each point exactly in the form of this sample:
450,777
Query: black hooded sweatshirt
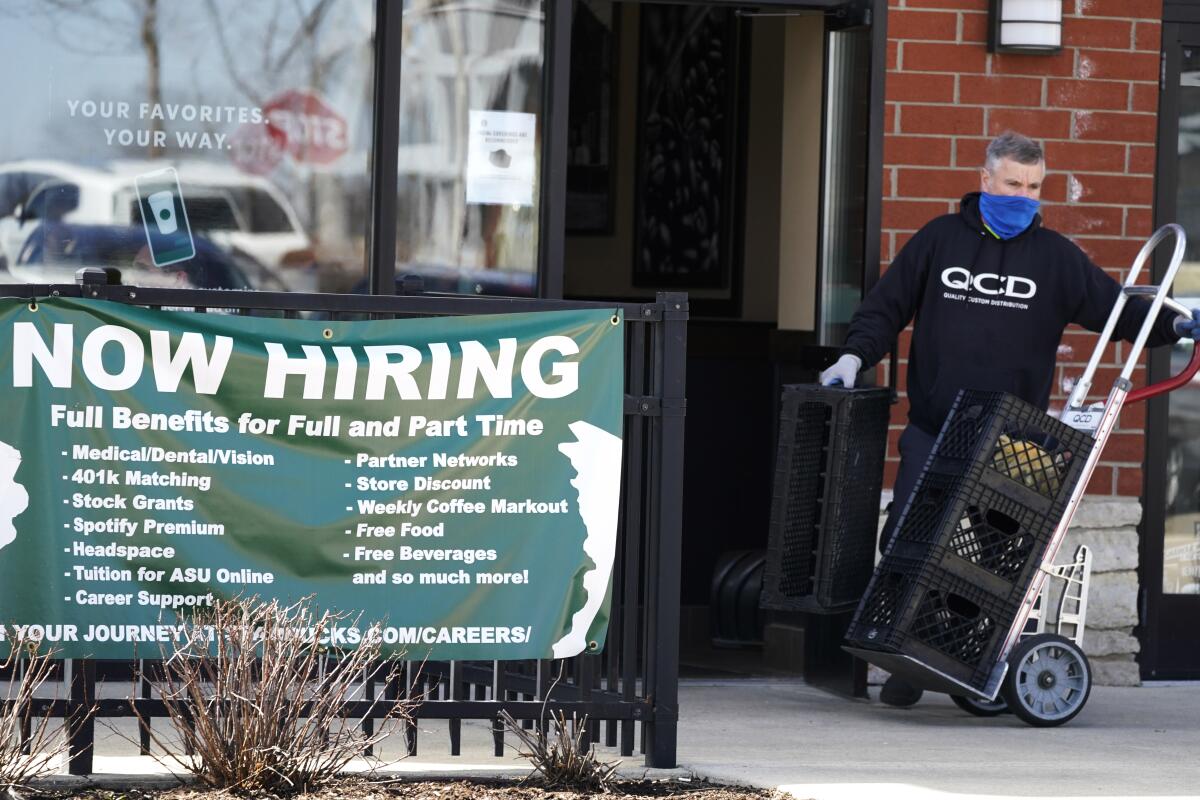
990,313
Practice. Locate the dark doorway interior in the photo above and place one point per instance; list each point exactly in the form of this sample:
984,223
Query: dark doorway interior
696,162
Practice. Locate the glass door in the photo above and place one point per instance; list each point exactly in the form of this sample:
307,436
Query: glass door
1170,574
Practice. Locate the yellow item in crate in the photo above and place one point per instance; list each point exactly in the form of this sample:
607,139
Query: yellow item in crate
1027,463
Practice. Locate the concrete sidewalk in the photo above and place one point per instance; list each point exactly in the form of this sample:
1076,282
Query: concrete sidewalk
1142,742
1127,742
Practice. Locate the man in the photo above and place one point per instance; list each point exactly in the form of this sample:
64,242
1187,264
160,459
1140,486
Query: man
991,291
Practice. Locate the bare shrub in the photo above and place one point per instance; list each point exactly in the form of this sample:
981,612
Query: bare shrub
556,751
261,706
29,742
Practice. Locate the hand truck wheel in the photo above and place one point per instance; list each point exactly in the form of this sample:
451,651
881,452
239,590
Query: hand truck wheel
980,708
1049,680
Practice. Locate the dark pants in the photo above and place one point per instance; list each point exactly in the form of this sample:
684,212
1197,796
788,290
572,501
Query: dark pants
915,445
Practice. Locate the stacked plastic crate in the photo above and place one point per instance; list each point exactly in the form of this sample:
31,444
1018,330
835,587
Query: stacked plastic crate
825,509
971,536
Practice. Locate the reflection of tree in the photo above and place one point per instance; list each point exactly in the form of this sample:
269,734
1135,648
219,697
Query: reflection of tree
279,50
294,40
102,27
460,56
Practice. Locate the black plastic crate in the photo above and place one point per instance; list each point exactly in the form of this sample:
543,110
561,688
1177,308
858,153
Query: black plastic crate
974,531
1012,446
825,509
950,624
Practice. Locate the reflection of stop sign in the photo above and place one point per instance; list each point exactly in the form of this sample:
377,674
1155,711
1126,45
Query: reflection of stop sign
307,127
254,150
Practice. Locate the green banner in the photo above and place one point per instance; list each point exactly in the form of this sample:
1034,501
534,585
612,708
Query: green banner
456,479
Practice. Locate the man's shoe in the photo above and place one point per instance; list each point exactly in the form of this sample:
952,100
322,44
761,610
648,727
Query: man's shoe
898,692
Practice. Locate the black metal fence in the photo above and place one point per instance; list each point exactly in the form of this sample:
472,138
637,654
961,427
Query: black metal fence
629,691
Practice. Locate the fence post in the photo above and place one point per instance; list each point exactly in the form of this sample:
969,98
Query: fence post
81,723
670,377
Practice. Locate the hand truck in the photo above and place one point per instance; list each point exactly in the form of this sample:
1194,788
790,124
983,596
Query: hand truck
1044,678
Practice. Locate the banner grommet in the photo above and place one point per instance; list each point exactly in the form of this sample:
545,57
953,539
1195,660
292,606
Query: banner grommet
327,333
33,305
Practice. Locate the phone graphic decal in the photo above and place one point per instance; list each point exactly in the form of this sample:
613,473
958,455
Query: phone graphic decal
164,217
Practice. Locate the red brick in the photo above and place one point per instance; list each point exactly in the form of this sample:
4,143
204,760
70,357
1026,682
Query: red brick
1104,378
1129,482
999,90
928,151
893,52
926,25
890,470
1114,126
969,151
1061,64
940,119
1101,482
937,57
1054,188
1085,156
893,436
974,27
1125,448
948,183
1080,344
1142,159
956,5
1116,189
889,117
1087,94
913,87
1145,97
1133,416
909,215
1071,220
1110,253
1135,9
1031,122
1092,32
1139,222
1147,36
1110,65
901,239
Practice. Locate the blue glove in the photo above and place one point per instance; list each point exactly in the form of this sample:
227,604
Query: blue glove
1188,326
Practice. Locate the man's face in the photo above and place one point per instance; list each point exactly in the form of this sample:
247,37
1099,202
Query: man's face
1014,178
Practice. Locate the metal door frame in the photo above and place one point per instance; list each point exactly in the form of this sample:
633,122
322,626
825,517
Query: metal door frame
1170,645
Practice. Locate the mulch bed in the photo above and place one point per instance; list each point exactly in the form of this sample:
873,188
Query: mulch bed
444,790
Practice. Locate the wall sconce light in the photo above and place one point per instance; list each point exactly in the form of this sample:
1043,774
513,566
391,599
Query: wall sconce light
1025,26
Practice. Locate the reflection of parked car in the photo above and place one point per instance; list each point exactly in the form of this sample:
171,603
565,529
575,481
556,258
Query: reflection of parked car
55,250
234,211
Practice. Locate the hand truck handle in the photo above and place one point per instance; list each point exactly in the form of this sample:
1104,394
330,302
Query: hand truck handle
1083,386
1170,384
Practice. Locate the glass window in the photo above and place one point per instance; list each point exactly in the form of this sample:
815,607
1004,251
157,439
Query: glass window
1181,546
470,135
848,79
217,144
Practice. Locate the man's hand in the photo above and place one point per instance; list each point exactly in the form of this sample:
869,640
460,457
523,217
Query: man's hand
1188,327
844,371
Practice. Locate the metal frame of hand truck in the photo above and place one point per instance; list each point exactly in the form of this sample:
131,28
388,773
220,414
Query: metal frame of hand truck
1098,419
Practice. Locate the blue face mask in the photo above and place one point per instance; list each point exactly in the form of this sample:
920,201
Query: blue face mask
1007,215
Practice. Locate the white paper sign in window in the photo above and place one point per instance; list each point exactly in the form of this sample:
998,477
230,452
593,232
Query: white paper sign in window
501,160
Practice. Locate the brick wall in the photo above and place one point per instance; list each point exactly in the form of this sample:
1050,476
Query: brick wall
1093,106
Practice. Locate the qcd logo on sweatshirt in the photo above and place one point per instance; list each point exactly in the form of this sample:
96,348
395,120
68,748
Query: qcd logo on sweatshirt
989,283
